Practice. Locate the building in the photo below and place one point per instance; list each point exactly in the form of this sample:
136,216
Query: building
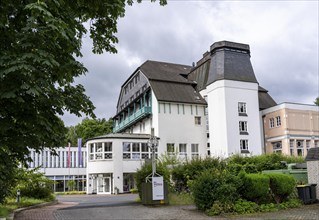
212,108
291,128
58,169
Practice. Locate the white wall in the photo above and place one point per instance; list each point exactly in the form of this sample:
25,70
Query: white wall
174,127
223,97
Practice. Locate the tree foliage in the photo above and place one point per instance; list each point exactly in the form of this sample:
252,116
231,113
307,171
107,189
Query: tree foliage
39,45
89,128
316,102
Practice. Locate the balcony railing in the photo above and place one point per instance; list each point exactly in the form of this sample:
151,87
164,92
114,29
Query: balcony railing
132,119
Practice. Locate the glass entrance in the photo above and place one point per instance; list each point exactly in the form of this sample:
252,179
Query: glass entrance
104,185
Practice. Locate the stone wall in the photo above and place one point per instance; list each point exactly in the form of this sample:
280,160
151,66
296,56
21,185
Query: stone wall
313,174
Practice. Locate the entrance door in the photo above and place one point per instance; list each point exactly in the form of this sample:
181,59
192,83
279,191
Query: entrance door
104,184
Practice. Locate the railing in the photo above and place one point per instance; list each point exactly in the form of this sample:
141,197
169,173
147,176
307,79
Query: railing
136,116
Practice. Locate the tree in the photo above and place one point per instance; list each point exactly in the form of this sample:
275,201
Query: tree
89,128
316,102
39,43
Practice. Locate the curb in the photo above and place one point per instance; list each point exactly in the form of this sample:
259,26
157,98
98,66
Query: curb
11,215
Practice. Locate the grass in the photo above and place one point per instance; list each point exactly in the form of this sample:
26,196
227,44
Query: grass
11,204
180,199
71,193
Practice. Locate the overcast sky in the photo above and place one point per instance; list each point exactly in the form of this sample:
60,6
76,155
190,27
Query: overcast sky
283,38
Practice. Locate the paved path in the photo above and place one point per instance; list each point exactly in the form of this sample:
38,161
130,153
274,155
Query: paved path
124,207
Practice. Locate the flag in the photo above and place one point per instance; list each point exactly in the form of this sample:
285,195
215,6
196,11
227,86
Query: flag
80,152
69,154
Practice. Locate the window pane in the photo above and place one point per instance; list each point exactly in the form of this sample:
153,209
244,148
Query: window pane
136,147
126,147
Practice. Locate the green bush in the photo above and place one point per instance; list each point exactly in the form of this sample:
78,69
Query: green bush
33,184
214,185
242,206
255,187
185,173
146,170
281,185
259,163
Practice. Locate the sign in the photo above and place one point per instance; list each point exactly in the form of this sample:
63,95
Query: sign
158,188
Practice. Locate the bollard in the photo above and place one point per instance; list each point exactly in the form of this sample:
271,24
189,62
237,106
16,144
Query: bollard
18,196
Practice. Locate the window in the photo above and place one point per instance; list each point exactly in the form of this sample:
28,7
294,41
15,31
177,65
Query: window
271,122
177,108
277,147
108,150
316,143
136,153
243,127
137,93
98,151
182,150
169,108
300,147
194,148
145,151
125,90
242,109
307,144
170,148
244,146
91,152
278,121
126,150
191,110
197,120
183,108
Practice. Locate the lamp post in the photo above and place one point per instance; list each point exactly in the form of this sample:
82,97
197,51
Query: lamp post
152,143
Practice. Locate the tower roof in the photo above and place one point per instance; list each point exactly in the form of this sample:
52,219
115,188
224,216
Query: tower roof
230,61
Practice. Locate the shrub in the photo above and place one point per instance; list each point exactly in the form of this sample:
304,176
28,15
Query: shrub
255,187
145,170
33,184
245,207
281,185
214,185
219,208
185,173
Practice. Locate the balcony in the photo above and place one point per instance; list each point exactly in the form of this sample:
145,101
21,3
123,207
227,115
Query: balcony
132,119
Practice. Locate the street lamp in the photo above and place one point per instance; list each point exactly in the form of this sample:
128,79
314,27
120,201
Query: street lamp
152,143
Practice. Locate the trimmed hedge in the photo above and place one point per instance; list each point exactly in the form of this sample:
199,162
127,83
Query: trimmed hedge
214,185
255,187
281,185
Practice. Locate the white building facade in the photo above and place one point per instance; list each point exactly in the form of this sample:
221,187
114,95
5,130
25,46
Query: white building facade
194,111
60,169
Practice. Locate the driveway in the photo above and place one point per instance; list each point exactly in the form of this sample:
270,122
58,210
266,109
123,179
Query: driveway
100,207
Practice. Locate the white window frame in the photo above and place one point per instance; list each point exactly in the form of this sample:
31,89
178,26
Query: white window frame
278,121
182,150
242,108
244,144
243,127
271,122
194,151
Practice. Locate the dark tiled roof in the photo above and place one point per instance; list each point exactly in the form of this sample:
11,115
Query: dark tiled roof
169,85
313,154
155,70
176,92
265,100
231,61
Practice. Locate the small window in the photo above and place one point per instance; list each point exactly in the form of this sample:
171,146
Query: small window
198,120
242,111
277,147
194,148
243,127
182,150
271,123
244,146
170,148
278,121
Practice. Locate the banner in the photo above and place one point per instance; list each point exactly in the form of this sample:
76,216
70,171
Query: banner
158,188
80,163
